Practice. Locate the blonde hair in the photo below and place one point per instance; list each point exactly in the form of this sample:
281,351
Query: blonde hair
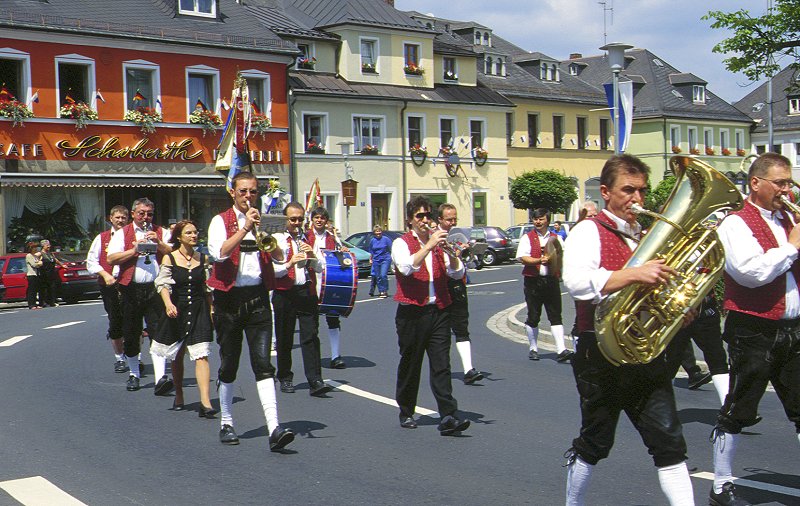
377,228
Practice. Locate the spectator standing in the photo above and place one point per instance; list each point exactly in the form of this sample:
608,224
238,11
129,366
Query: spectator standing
380,256
33,262
48,278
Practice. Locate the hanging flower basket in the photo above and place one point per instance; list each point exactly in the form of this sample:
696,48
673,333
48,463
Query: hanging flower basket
207,119
369,149
480,155
740,152
15,110
676,149
260,123
145,117
418,154
80,112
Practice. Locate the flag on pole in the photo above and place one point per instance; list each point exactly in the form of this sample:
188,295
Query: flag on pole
233,153
139,97
34,99
200,105
158,106
256,110
625,113
224,105
99,96
5,95
68,98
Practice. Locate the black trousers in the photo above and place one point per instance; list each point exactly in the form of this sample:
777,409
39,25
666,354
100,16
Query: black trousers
139,300
333,322
243,311
33,291
299,304
422,330
643,392
760,351
48,287
112,302
458,309
706,331
542,291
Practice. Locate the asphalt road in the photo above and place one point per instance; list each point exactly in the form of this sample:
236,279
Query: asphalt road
72,434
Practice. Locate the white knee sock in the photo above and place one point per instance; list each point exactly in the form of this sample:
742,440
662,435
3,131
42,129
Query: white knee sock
558,336
579,473
676,485
465,352
133,365
333,334
266,393
119,356
533,336
724,449
159,366
226,403
721,382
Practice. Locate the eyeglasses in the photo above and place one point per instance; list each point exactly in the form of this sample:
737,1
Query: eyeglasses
144,213
245,191
780,183
296,219
420,216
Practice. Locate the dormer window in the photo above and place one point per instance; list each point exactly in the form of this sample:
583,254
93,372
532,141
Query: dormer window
478,38
543,72
573,69
794,105
549,72
499,67
489,63
698,94
204,8
449,67
486,41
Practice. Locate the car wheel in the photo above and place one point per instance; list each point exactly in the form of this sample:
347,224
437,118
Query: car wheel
71,300
490,257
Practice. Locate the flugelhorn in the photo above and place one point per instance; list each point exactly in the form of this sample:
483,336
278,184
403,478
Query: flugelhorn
450,246
264,239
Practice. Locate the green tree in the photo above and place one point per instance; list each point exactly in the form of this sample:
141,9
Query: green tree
758,43
543,188
654,201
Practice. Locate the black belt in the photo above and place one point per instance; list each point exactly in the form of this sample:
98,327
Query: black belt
248,246
759,323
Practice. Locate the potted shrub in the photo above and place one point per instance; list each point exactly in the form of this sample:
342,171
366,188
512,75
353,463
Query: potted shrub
16,110
80,112
209,120
418,154
369,149
145,117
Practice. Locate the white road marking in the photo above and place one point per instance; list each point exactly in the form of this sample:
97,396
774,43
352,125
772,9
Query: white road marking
9,312
375,397
14,340
37,491
62,325
372,299
777,489
492,283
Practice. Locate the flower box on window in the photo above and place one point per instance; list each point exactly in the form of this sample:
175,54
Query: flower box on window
450,76
80,112
15,110
740,152
314,149
710,151
205,118
145,117
306,63
260,124
676,149
694,151
726,151
413,70
369,149
368,68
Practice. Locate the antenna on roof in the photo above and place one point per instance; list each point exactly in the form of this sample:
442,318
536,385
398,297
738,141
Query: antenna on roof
607,10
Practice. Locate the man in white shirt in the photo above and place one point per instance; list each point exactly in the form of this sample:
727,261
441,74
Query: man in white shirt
763,324
422,319
594,255
97,263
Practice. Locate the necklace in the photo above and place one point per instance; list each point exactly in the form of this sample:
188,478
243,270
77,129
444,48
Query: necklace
188,258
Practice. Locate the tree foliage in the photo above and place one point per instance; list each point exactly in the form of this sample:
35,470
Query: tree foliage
543,188
758,43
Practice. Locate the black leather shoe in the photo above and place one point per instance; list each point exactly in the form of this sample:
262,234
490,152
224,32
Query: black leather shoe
564,356
133,384
164,386
318,388
533,355
279,438
727,497
207,412
120,366
338,363
698,380
407,422
227,435
451,425
472,376
287,387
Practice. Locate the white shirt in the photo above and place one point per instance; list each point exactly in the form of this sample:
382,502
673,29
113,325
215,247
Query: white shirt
93,257
144,272
282,268
583,277
524,248
750,266
249,273
403,260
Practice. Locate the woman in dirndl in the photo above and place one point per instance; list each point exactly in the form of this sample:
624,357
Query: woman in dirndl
186,324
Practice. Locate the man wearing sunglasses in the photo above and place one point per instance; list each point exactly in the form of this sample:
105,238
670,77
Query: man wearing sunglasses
137,272
295,300
241,278
422,319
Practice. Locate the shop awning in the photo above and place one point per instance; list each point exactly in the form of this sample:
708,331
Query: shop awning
116,181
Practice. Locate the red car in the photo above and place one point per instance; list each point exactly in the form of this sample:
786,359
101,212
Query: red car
75,281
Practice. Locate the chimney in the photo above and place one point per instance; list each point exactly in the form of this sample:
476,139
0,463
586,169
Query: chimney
575,56
390,2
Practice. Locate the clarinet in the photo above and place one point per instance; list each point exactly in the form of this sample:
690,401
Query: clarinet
147,228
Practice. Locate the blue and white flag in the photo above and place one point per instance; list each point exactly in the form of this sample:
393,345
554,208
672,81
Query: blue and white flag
626,111
34,98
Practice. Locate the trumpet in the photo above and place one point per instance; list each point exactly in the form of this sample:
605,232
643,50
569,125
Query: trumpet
452,246
264,239
791,206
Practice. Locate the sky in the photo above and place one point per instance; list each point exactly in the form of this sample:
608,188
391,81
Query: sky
671,29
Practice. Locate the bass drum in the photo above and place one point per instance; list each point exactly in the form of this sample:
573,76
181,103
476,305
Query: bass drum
338,283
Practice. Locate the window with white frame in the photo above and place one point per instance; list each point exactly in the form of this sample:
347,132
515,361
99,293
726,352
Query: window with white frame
411,54
543,72
573,69
76,79
794,105
449,67
558,131
446,131
478,38
202,88
533,130
415,133
367,131
486,40
675,136
258,85
369,56
605,141
15,72
556,73
204,8
499,66
142,84
692,131
699,94
476,133
306,59
708,138
739,138
489,66
724,140
314,135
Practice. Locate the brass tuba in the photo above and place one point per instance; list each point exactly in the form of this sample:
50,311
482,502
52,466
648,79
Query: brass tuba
635,324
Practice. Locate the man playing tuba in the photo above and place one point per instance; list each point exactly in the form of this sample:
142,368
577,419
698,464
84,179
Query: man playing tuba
594,254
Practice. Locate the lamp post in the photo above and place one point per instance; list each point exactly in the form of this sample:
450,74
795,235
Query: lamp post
616,60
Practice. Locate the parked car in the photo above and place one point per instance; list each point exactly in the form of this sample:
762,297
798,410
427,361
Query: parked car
516,232
361,239
500,246
362,259
75,282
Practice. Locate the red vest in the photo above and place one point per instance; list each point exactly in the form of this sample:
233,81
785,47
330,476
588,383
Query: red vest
614,252
766,301
127,268
287,282
105,238
413,289
223,274
311,238
536,252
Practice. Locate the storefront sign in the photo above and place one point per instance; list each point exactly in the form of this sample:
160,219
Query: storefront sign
21,150
90,147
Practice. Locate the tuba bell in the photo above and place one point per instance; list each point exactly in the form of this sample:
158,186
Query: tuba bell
635,324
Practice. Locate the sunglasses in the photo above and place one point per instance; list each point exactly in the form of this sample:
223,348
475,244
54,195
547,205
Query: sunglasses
144,213
420,216
245,191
